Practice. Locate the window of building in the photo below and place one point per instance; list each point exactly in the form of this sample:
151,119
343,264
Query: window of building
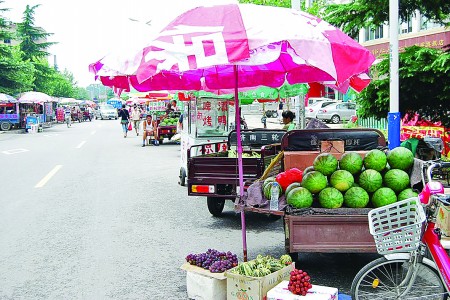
373,33
406,27
426,23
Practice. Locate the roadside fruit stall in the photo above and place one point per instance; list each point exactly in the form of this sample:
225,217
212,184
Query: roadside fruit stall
9,112
345,173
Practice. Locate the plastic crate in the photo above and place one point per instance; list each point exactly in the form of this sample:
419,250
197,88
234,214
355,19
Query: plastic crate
397,227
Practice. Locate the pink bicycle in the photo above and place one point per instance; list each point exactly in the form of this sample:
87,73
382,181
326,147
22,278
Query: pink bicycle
414,263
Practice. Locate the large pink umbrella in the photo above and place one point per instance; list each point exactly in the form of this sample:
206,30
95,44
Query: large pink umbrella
240,46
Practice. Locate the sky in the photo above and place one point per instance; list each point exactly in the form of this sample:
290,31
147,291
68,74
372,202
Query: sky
87,30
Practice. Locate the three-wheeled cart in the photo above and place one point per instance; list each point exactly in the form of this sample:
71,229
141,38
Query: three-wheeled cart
317,229
215,174
9,115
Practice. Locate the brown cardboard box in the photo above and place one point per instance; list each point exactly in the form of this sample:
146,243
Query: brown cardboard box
202,284
332,146
443,220
304,159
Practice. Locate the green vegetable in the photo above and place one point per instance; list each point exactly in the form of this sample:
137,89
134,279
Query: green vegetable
400,158
383,196
325,163
342,180
356,197
375,159
406,194
300,198
314,182
352,162
396,179
331,198
370,180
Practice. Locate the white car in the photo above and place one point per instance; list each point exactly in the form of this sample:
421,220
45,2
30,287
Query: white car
337,112
312,109
108,112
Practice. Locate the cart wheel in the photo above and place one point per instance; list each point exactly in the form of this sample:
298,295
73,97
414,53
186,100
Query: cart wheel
215,205
5,126
182,177
274,114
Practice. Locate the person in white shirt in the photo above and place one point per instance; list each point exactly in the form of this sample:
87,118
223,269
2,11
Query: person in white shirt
68,116
136,118
149,128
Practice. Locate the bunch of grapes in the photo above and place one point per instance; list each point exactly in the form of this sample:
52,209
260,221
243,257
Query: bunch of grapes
299,282
213,260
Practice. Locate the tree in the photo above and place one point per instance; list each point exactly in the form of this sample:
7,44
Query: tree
15,75
424,74
362,13
32,38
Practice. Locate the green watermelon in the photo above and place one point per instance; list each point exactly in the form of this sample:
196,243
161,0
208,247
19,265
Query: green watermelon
383,196
307,170
267,180
406,194
292,186
325,163
331,198
400,158
375,159
356,197
299,198
342,180
396,179
267,190
352,162
370,180
314,182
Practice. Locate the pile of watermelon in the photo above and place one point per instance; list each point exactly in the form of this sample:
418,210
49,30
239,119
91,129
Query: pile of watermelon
375,180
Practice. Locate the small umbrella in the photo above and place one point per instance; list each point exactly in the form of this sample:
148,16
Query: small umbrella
4,98
35,97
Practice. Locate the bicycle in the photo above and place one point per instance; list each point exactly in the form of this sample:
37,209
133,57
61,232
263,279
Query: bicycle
414,263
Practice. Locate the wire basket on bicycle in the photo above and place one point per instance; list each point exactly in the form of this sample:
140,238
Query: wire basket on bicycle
397,227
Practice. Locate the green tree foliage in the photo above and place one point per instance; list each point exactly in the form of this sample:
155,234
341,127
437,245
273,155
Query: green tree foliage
32,38
362,13
81,93
281,3
424,74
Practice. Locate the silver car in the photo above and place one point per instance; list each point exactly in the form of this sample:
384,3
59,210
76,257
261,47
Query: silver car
312,109
108,112
337,112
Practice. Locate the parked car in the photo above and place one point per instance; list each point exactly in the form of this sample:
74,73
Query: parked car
312,109
108,112
337,112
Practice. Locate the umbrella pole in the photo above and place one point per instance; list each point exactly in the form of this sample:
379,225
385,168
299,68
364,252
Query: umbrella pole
239,157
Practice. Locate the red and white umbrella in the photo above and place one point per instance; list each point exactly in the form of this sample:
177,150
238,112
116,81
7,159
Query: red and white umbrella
239,46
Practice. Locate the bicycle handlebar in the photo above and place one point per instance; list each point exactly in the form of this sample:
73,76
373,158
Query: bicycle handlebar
439,165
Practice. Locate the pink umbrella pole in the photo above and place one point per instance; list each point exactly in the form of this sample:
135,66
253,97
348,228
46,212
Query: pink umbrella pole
239,156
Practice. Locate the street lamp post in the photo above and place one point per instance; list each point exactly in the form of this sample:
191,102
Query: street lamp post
394,114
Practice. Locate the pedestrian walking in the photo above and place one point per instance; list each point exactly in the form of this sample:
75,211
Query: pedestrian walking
124,116
136,118
68,116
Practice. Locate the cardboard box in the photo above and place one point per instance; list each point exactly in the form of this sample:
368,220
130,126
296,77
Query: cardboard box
304,159
201,284
255,288
443,220
317,292
332,146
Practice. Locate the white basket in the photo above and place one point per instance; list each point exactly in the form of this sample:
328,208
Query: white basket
397,227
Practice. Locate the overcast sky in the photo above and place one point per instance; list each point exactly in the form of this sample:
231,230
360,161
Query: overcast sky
87,30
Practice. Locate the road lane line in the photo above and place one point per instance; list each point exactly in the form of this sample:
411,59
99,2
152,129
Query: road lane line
93,132
48,176
81,144
14,151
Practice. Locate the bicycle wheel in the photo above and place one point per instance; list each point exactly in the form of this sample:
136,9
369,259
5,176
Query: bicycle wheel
380,279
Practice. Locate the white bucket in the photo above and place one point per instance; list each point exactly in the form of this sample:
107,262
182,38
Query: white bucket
33,128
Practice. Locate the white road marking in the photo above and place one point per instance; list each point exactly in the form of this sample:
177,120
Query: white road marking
48,176
51,134
81,144
14,151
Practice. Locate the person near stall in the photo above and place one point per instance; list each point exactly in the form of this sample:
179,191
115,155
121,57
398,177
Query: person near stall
288,120
149,128
124,120
136,118
68,116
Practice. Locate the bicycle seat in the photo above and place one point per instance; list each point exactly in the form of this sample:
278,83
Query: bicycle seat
443,198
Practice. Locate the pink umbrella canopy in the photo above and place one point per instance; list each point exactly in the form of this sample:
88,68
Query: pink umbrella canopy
35,97
5,98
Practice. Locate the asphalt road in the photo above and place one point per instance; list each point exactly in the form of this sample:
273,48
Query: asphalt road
88,214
